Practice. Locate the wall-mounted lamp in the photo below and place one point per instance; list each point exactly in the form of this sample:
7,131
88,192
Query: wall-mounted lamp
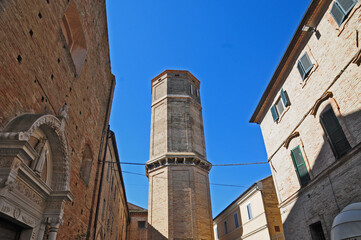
307,28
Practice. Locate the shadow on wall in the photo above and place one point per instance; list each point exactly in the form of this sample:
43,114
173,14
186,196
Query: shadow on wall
154,234
335,182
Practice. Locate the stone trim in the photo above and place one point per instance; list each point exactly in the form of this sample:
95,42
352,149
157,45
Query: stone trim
317,104
290,137
177,161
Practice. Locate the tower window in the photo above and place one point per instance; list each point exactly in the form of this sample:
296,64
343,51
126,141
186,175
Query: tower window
334,133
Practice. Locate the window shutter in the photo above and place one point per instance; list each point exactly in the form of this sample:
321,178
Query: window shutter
300,69
274,113
300,165
334,133
346,5
285,98
337,13
306,65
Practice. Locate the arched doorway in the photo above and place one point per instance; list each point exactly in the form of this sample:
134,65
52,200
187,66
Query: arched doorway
34,175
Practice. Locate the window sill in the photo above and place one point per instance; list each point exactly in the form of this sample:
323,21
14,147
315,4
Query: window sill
284,112
304,82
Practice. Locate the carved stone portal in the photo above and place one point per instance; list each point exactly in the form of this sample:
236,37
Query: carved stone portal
35,173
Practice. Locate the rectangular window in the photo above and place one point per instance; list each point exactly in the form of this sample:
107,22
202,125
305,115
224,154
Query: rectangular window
317,231
249,211
280,105
340,9
300,166
141,224
236,223
304,66
334,133
225,227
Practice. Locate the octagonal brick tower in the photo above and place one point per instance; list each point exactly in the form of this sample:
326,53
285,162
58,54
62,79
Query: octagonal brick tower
179,197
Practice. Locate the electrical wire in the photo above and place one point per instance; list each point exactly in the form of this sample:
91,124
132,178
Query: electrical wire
213,165
215,184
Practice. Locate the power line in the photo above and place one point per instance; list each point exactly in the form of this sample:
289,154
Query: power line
215,184
213,165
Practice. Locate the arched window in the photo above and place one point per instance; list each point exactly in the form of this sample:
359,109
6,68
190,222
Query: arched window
74,35
86,165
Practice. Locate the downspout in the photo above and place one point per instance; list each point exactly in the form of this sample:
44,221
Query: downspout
100,186
106,121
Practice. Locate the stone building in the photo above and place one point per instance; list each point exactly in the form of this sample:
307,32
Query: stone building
56,93
113,216
253,215
179,197
310,116
138,227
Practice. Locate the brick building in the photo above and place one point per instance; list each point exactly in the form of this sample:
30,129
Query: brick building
138,227
179,196
253,215
56,93
310,116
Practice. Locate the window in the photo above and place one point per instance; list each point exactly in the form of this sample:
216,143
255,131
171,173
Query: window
225,227
300,166
317,232
141,224
103,211
249,211
341,8
86,165
304,66
71,27
236,223
191,89
334,133
277,229
280,105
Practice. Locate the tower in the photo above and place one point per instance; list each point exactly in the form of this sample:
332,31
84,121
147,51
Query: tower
179,197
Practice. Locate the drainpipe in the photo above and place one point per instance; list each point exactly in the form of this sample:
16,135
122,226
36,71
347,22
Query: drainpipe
100,185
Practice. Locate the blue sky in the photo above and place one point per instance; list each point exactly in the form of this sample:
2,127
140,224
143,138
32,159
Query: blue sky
232,46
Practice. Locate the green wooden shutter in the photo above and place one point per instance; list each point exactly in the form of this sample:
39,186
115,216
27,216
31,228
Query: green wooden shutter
300,165
346,5
337,14
274,113
285,98
334,133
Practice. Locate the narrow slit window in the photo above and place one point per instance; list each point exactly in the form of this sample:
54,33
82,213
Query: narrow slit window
249,211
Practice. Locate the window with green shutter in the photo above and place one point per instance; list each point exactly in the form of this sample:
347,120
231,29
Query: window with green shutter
341,8
334,133
304,66
278,108
300,166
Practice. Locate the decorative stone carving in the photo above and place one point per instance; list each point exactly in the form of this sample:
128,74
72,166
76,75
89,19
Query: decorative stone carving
165,161
292,136
317,104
